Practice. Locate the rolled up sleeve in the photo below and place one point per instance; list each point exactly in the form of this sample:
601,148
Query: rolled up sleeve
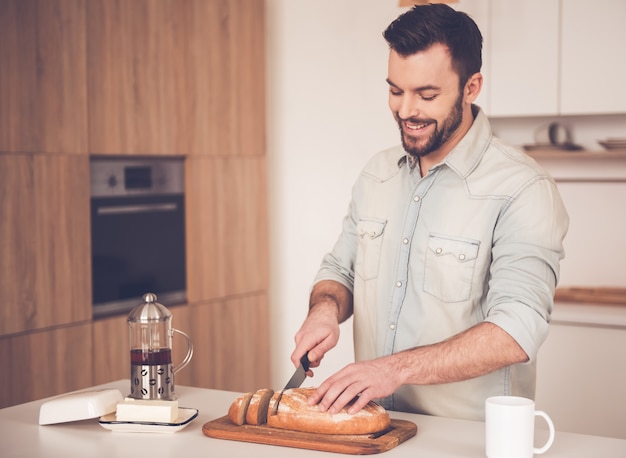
527,248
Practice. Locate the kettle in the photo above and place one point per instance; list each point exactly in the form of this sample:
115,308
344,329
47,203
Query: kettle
151,368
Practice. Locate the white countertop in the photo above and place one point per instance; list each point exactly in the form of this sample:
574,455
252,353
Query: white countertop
576,313
22,436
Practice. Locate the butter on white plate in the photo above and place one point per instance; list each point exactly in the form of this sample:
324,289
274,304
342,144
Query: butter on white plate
141,410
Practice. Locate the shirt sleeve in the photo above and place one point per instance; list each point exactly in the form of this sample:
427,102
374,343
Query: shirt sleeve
524,272
338,265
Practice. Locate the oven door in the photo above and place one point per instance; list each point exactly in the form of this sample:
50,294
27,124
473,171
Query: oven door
138,246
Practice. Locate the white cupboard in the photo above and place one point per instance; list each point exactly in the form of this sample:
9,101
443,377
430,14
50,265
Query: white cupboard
581,374
551,57
524,59
593,58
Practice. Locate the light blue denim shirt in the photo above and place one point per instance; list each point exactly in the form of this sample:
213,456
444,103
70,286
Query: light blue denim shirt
478,238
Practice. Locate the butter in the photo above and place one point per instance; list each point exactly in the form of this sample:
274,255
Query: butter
147,411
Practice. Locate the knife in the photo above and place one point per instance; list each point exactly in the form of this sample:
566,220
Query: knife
296,379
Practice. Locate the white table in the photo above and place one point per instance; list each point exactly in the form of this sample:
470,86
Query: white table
22,436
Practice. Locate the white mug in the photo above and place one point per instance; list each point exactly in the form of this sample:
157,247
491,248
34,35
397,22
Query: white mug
510,427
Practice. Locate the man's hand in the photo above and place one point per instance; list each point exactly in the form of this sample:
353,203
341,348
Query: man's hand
476,351
368,380
329,305
318,334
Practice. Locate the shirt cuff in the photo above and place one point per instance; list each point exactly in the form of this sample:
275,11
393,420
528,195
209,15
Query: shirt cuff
529,332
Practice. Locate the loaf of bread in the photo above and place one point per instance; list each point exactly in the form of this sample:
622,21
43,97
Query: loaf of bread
257,409
295,414
239,408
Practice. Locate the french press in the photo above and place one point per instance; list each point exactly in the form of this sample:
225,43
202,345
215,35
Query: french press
151,368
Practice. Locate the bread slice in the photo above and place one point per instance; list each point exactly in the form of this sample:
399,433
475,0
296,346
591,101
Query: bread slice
257,409
239,408
295,414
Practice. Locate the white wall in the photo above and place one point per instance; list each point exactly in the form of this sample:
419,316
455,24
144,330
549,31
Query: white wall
327,114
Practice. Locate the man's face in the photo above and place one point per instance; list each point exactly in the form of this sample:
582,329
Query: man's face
425,99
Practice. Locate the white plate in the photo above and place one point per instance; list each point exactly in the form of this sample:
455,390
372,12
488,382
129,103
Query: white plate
614,143
551,147
185,416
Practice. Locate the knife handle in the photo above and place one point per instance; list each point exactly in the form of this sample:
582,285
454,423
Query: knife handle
305,362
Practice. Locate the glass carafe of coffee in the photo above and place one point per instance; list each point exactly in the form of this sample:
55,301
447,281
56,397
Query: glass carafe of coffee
151,368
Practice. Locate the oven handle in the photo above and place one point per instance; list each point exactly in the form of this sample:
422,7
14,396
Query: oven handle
145,208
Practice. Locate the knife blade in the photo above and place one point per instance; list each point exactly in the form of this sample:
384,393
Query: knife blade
300,374
295,381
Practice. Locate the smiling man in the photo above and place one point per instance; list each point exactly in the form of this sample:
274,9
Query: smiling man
449,254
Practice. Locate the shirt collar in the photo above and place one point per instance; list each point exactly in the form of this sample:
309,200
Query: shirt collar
467,153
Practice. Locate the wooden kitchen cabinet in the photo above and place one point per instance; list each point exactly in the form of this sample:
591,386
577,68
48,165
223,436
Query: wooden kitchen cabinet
176,78
231,344
227,226
45,363
162,77
226,78
592,57
7,379
45,267
136,65
111,349
43,90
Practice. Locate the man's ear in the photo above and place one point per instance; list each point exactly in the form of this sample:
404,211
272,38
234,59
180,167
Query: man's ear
472,87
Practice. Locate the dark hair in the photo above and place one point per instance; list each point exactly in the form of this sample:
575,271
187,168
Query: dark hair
425,25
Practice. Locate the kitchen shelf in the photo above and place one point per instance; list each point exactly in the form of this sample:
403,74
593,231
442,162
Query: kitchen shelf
613,154
591,295
590,306
583,165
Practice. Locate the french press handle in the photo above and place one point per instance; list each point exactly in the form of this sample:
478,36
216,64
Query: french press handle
189,354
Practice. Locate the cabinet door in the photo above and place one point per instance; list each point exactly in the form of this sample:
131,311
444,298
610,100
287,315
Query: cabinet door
227,238
593,62
111,349
231,344
524,58
167,77
45,267
135,78
46,363
225,77
581,374
43,90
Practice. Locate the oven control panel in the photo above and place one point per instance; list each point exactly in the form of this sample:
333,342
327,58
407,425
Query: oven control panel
122,177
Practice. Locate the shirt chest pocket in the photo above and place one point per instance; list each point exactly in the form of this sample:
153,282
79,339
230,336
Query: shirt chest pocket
370,241
450,266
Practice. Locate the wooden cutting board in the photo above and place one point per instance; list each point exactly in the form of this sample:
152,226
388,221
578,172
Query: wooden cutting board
592,295
398,432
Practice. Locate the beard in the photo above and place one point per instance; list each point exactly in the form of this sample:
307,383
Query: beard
441,134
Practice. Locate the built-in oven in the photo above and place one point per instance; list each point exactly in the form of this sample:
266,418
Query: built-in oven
137,232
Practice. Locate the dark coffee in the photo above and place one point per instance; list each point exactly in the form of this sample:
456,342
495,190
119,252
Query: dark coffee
151,357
